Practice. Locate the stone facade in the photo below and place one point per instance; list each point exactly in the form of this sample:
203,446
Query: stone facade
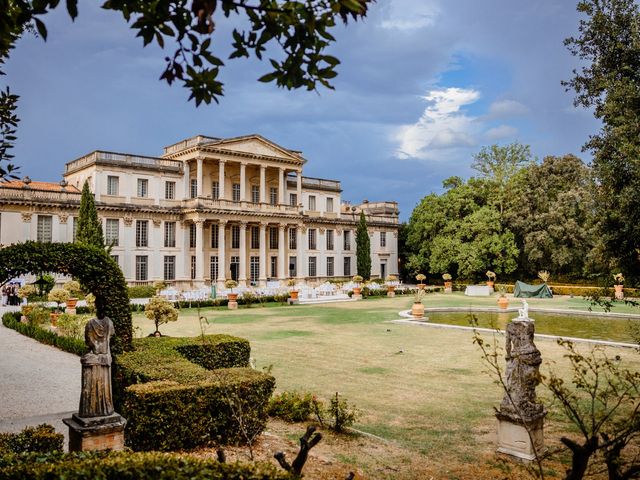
206,210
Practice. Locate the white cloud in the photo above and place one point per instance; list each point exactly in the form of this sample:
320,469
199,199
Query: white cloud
507,108
409,14
500,132
442,128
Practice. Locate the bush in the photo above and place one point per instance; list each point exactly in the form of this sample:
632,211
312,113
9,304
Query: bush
174,394
294,406
41,439
38,315
341,414
128,465
72,326
141,291
68,344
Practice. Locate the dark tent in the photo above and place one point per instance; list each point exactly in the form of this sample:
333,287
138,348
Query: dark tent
524,290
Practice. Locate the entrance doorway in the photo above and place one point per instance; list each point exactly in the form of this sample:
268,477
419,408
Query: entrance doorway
235,268
383,270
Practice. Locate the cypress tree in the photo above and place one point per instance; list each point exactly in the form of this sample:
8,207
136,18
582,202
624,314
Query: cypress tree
89,227
363,249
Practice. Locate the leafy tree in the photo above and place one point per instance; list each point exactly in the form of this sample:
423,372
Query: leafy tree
89,226
608,43
363,249
8,123
161,311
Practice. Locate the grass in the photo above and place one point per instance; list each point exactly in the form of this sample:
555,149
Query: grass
422,389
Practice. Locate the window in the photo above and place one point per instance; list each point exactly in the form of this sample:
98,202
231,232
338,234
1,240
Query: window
215,231
347,239
312,266
273,238
254,268
213,268
142,271
255,193
193,233
255,237
234,266
293,199
170,267
312,203
215,190
293,267
143,187
293,238
193,267
274,267
43,233
383,239
312,239
193,188
169,234
169,190
329,236
112,185
347,266
235,192
142,233
330,269
111,232
116,259
235,236
273,195
329,204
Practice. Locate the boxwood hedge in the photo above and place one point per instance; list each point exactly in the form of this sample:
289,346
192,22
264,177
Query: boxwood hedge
42,335
182,393
42,439
129,466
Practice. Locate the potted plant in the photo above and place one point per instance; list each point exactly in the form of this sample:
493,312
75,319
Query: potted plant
357,290
58,295
618,280
417,309
491,278
448,284
26,292
73,289
293,292
233,297
503,301
391,287
160,310
421,277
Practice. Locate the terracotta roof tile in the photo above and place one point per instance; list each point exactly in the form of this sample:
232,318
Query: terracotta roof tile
47,186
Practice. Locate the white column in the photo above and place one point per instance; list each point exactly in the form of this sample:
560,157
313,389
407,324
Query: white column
243,181
199,251
221,179
242,275
199,176
222,253
281,252
299,186
302,260
281,185
263,184
187,180
263,255
26,219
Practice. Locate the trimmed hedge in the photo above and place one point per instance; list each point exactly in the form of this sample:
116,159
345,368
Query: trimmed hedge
129,466
40,439
68,344
141,291
175,396
577,290
91,266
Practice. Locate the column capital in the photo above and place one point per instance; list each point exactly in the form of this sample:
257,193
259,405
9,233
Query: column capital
221,160
243,224
200,158
198,221
283,226
264,224
222,222
26,217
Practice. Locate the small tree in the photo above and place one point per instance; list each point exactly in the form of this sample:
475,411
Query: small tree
160,311
89,226
363,249
58,295
72,287
27,291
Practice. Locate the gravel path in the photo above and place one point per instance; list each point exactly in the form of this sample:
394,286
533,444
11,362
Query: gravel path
38,383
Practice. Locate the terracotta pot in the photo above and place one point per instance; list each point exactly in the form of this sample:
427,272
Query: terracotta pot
357,290
619,292
417,310
503,302
53,318
421,286
71,303
490,283
448,286
294,294
232,297
391,291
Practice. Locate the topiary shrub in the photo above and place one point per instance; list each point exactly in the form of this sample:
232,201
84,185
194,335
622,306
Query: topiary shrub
90,265
41,439
141,291
131,465
175,396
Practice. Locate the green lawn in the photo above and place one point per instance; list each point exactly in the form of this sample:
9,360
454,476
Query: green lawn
423,389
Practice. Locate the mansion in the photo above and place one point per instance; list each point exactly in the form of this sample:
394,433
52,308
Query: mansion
206,210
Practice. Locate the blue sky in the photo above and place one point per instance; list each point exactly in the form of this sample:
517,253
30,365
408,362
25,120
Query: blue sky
422,86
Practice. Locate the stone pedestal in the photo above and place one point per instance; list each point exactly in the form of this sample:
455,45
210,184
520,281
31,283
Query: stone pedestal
514,440
356,297
70,311
233,305
391,293
95,433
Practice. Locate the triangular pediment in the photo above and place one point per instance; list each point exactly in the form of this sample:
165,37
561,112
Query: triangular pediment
257,145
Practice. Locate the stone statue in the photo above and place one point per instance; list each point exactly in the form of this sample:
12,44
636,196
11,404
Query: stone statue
96,399
524,311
